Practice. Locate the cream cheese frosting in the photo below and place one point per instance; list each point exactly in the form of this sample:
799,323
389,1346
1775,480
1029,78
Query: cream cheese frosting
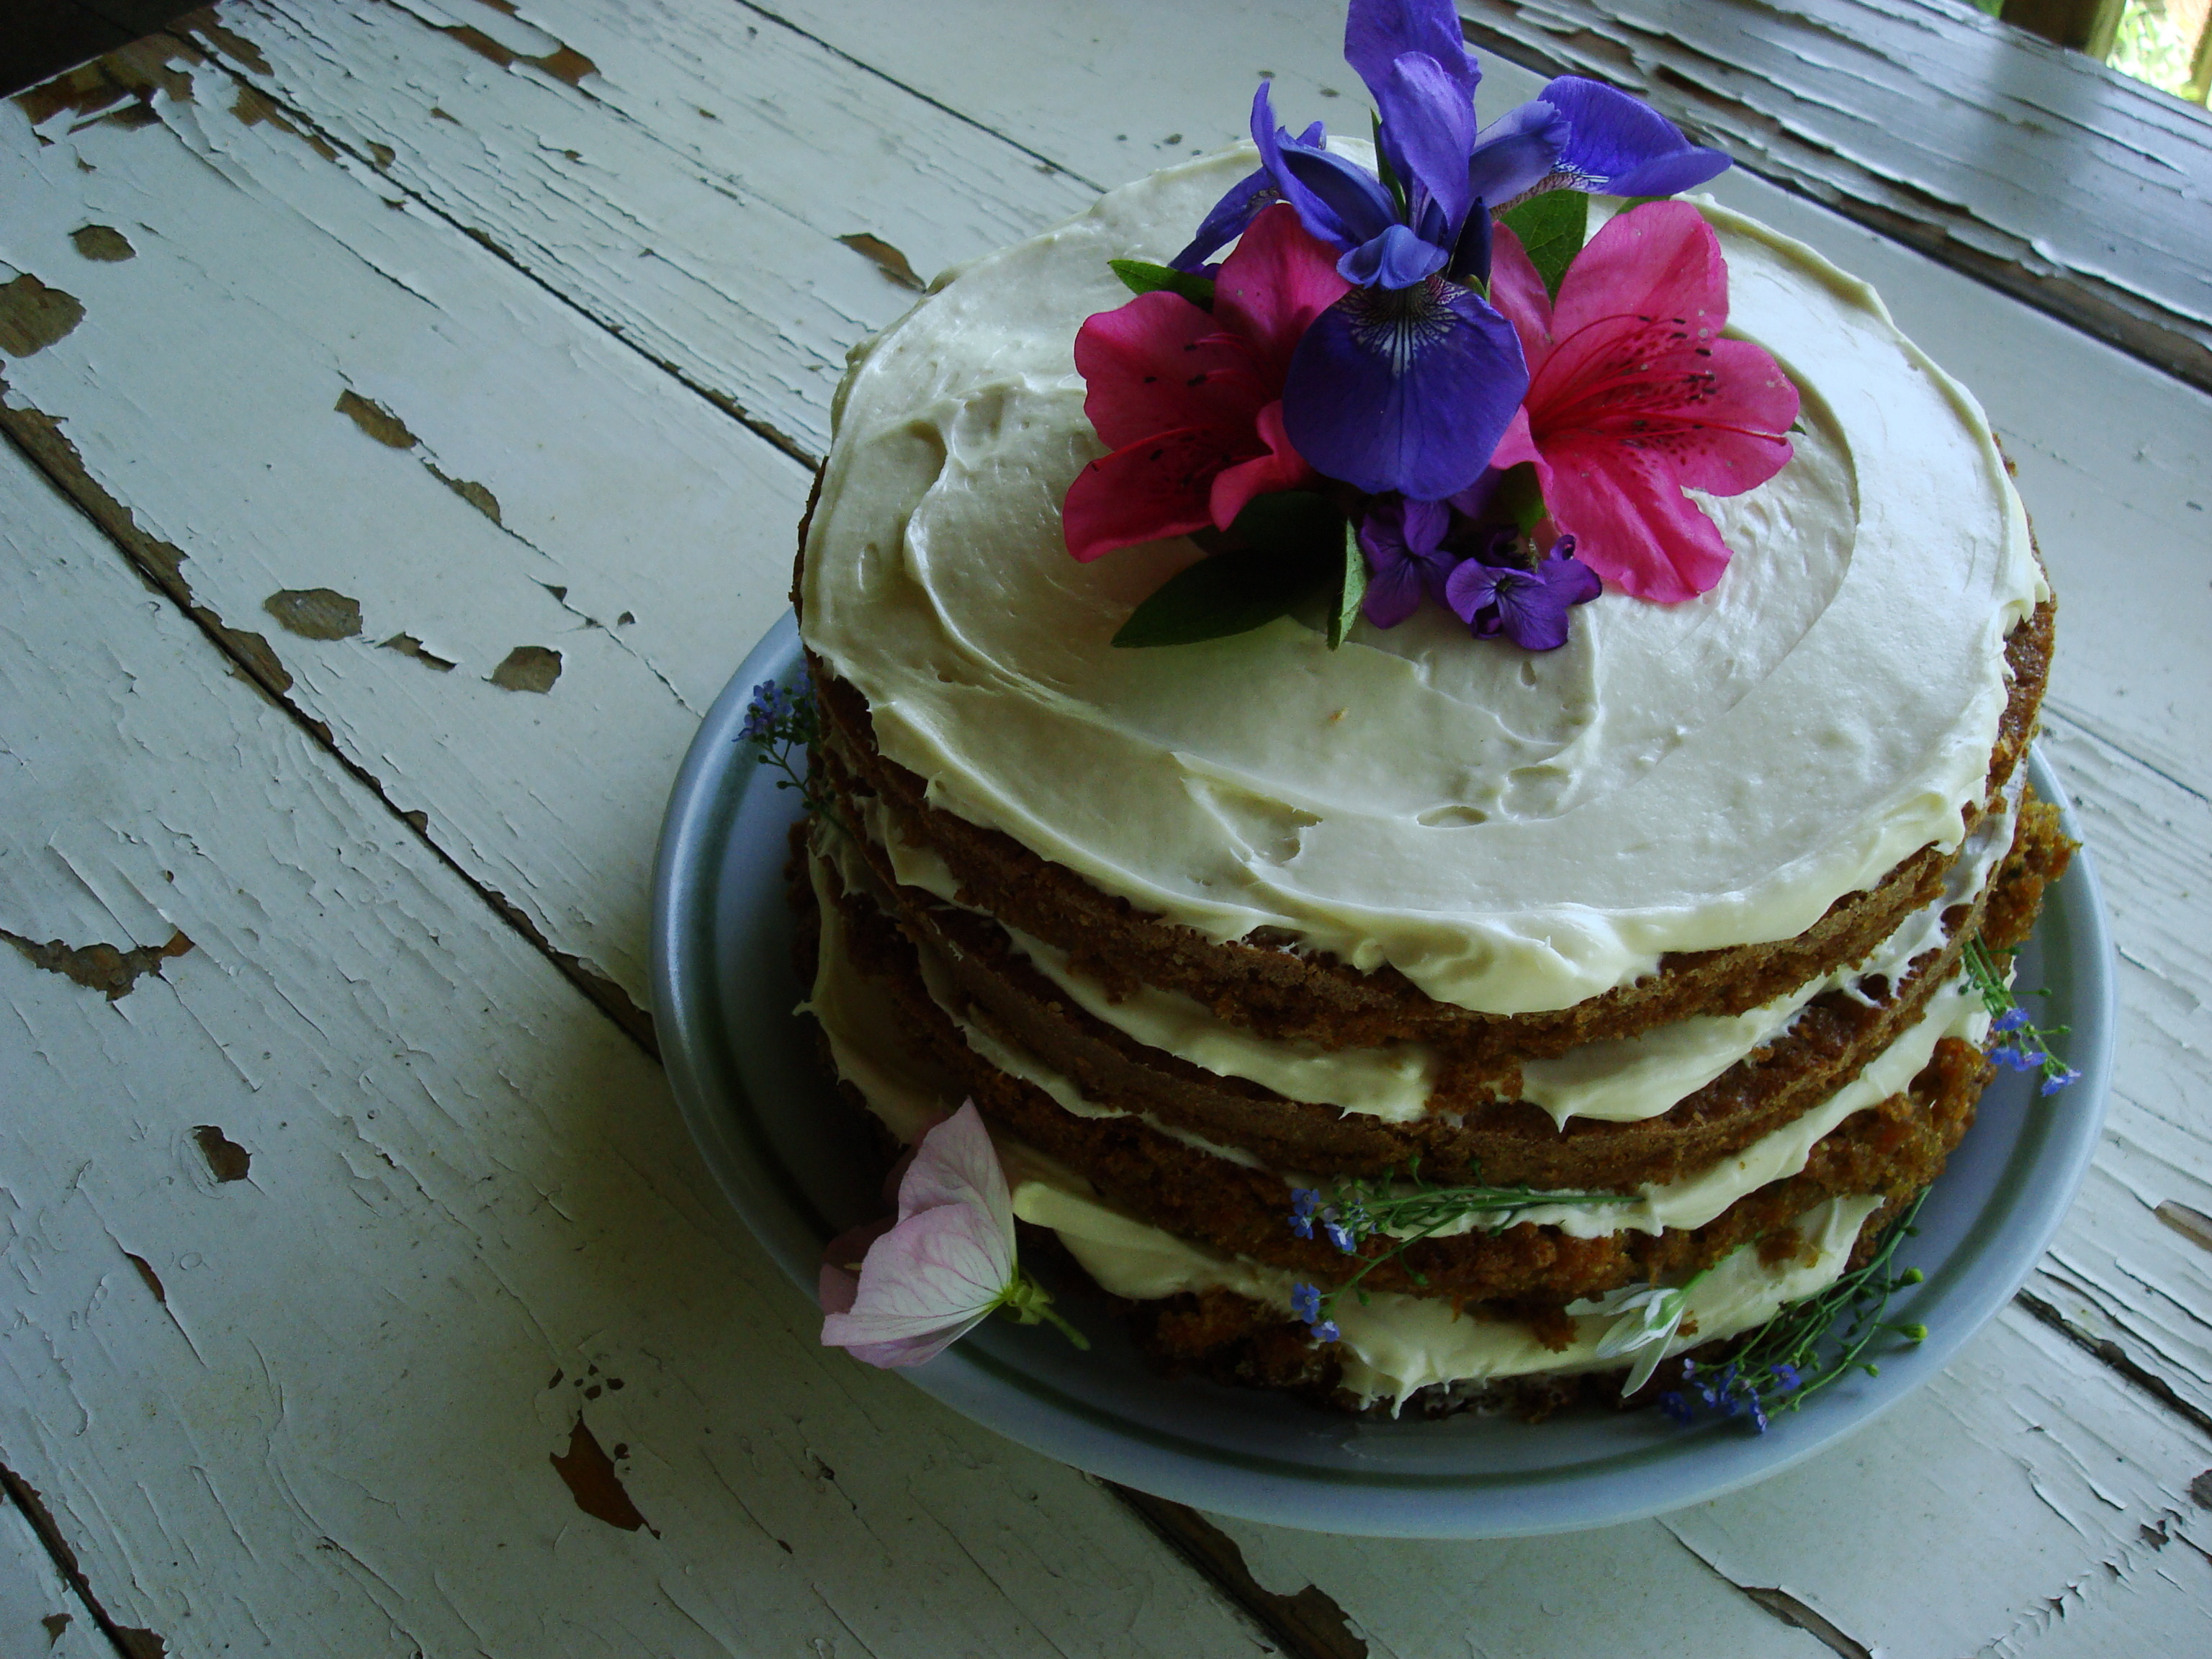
1512,831
1394,1345
847,1004
1621,1080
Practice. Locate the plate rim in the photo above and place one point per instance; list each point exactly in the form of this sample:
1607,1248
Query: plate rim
2047,1161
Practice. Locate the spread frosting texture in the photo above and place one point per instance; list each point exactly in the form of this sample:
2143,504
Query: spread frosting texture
1512,831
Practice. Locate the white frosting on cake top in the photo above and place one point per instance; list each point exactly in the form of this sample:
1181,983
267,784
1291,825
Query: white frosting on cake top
1512,831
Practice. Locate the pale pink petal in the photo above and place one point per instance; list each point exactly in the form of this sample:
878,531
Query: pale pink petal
942,1268
1146,491
1660,260
1631,521
911,1350
1281,468
1278,279
1159,364
956,1163
1518,294
839,1282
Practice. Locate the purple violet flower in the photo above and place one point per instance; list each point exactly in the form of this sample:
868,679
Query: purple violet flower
1409,381
1405,561
1529,607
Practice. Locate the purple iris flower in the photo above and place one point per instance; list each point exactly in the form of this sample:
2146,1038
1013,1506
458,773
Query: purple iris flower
1409,381
1529,607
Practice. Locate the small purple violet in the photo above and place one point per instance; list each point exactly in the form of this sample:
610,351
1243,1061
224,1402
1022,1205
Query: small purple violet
1529,607
1403,541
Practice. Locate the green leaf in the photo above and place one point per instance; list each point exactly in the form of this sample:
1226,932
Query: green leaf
1296,521
1228,594
1385,174
1552,227
1352,587
1141,277
1294,547
1519,496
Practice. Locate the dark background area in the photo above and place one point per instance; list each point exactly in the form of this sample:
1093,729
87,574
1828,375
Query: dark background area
41,37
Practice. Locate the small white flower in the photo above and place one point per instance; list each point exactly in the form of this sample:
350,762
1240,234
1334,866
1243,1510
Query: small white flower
1648,1317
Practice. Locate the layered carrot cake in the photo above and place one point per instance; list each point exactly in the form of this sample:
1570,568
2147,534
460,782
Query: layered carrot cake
1261,947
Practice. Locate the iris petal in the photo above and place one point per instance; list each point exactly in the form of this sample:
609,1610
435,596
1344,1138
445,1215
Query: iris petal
1428,123
1622,146
1396,259
1407,391
1243,202
1378,33
1518,151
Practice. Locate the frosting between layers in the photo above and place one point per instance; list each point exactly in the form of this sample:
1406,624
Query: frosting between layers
1620,1080
1512,831
1395,1344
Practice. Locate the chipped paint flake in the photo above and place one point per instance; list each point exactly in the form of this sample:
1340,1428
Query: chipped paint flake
528,668
407,646
225,1159
887,259
315,613
102,243
589,1473
34,316
104,968
374,418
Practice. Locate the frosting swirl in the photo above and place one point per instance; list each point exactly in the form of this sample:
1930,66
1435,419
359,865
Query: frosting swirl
1513,832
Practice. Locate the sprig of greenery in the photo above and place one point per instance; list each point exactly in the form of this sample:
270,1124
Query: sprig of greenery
2026,1046
1405,1211
1806,1346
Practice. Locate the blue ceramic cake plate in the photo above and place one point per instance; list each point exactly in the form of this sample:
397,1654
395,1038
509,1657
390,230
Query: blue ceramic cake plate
800,1166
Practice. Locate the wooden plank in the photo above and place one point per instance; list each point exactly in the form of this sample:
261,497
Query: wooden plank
39,1612
502,559
2038,170
710,171
374,1300
2129,672
2017,1506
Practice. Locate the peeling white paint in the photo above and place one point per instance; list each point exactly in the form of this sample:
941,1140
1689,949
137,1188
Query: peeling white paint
463,1180
333,1437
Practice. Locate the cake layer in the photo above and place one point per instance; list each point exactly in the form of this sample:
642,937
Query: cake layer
1872,1138
1287,994
1817,1051
1620,1079
1507,833
1231,1315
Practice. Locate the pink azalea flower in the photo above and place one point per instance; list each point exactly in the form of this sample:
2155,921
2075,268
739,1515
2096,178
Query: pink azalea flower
1192,402
942,1265
1633,395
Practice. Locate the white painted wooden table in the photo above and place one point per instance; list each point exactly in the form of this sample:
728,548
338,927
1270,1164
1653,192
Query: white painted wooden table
411,401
